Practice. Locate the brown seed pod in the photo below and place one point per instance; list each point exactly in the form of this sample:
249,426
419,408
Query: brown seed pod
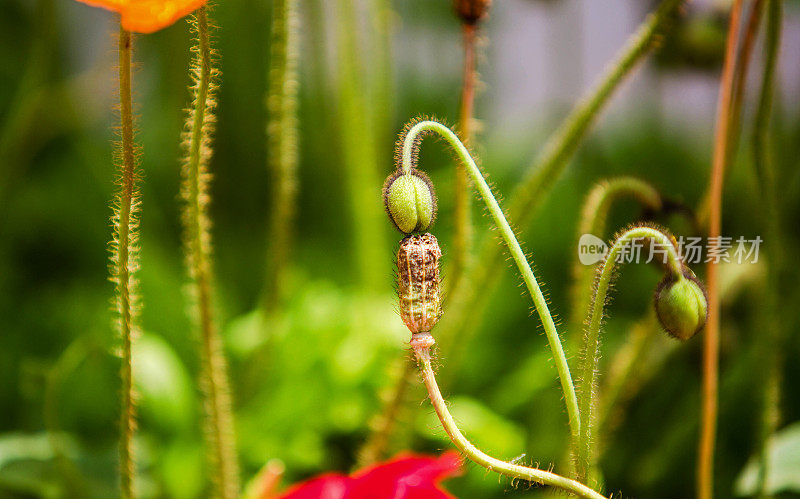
418,286
472,11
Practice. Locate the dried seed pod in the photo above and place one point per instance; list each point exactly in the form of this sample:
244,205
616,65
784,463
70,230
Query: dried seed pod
681,305
472,11
418,282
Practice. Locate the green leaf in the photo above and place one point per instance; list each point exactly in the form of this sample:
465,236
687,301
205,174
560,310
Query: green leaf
783,454
27,463
165,386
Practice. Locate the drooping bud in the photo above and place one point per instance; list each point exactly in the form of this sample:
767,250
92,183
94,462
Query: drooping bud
681,305
472,11
409,200
418,286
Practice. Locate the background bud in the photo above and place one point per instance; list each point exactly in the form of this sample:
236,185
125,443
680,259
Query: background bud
472,11
681,305
409,200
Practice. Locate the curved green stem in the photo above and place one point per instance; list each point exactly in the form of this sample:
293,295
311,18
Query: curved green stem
592,339
124,261
593,221
466,303
599,201
408,158
534,475
216,388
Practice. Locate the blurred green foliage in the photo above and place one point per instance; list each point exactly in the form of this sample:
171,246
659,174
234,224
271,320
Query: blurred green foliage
308,380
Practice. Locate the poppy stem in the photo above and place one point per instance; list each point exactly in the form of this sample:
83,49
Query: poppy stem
408,156
214,379
468,298
124,259
462,238
708,424
590,358
535,475
593,221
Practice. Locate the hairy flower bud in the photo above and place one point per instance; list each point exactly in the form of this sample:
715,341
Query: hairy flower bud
472,11
418,282
681,305
409,200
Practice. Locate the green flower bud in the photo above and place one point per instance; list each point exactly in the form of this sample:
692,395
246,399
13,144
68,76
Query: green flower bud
681,305
409,200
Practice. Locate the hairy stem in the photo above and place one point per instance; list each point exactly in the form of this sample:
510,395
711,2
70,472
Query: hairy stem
771,346
479,457
408,157
590,358
593,221
708,425
462,237
124,259
602,197
282,143
219,419
466,302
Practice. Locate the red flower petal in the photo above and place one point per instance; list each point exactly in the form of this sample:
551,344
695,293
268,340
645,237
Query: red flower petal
407,477
404,477
328,486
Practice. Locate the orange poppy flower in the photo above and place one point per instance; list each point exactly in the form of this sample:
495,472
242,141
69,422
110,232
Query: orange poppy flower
146,16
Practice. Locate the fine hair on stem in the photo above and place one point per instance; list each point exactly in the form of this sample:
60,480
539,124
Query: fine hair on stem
592,221
590,358
124,258
221,454
406,159
466,303
534,475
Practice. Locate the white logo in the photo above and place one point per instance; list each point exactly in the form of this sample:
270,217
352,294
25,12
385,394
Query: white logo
591,249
